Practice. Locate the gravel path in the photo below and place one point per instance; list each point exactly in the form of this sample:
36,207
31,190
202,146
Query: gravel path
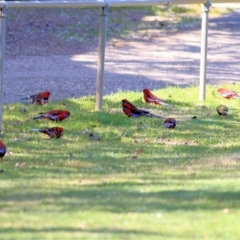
159,58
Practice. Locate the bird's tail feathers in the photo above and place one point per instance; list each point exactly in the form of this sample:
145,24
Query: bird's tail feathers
237,97
35,130
154,116
21,94
38,117
25,98
165,104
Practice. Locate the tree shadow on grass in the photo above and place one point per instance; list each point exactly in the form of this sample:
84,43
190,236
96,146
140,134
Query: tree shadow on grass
125,197
81,231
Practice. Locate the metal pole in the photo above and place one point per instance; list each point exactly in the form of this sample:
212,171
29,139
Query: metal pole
101,57
3,13
203,64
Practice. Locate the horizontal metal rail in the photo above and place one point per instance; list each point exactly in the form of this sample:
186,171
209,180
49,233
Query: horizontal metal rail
179,2
104,3
82,3
225,1
136,3
56,4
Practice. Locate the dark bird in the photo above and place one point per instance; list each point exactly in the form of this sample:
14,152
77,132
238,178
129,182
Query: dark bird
149,97
39,98
3,149
222,110
54,132
170,123
226,93
131,111
54,115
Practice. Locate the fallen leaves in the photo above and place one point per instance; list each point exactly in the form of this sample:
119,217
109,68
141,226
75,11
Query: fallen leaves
23,164
169,141
135,154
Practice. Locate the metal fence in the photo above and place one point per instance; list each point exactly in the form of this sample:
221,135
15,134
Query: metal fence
104,6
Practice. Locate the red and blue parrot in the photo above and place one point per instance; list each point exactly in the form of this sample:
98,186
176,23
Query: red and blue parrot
54,115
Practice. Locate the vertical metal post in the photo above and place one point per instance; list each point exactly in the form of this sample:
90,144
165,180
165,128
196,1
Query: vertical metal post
101,56
3,13
204,42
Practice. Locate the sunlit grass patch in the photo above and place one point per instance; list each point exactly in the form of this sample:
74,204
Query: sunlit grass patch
114,177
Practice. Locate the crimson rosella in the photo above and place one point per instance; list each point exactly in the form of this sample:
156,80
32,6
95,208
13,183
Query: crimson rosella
170,123
54,115
39,98
227,93
54,132
131,111
149,97
222,110
3,149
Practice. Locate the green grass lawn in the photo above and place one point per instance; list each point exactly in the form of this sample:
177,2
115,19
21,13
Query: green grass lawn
133,180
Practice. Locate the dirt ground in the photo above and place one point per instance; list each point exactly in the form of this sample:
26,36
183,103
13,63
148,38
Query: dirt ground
46,49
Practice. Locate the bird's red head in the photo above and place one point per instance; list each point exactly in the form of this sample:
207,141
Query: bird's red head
145,90
66,112
125,101
220,90
47,93
1,143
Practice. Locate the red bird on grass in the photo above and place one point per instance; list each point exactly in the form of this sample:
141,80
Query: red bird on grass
54,115
39,98
227,93
131,111
3,149
149,97
54,132
170,123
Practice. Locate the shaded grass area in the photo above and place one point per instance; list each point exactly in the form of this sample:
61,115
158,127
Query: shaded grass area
133,179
